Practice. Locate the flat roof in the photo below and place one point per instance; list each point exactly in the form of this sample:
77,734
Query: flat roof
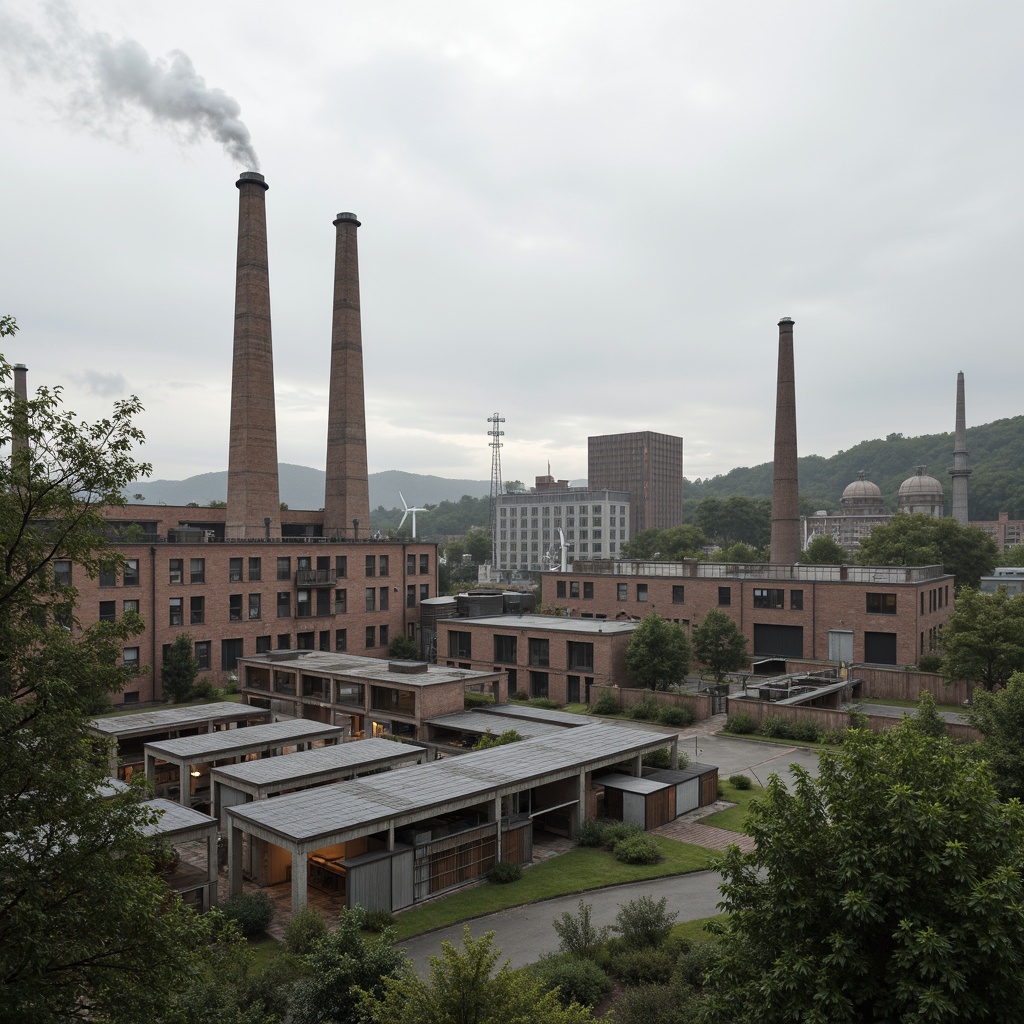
175,819
169,719
479,724
631,784
526,712
211,745
551,623
371,670
318,816
303,763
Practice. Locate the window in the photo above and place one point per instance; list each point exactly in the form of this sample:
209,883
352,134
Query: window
371,567
130,606
574,588
678,593
383,601
410,596
881,604
424,591
304,641
175,611
621,591
197,570
284,604
255,570
340,602
383,636
284,641
131,657
263,644
560,588
131,573
880,648
796,600
203,655
371,637
538,652
284,568
424,564
303,608
371,599
255,610
108,576
765,598
234,570
724,597
538,684
410,565
230,652
323,602
235,608
108,611
325,640
382,565
341,639
62,573
641,591
175,568
196,611
505,649
460,645
580,655
341,566
588,591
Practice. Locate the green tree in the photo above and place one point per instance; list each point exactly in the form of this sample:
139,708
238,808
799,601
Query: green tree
87,929
999,717
179,670
926,719
658,655
403,648
824,551
910,539
719,644
468,987
343,968
889,888
983,641
735,519
739,552
672,545
478,546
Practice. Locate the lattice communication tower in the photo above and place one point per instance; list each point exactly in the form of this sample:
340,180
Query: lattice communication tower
495,434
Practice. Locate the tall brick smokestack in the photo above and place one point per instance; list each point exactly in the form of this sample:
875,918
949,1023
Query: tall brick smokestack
347,493
19,433
785,492
960,472
253,492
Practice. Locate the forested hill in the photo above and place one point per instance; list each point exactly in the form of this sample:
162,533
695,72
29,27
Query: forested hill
996,460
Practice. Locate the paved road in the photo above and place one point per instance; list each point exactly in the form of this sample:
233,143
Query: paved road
892,711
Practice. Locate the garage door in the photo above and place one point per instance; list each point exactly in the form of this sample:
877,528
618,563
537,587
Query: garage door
783,641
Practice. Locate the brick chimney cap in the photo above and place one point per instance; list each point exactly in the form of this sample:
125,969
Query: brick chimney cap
351,217
252,178
20,366
786,320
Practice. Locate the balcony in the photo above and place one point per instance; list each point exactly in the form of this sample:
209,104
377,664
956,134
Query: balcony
316,578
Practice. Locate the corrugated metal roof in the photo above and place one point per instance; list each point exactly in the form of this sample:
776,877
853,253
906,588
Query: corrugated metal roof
211,745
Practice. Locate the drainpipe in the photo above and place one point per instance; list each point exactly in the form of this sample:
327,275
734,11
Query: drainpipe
152,614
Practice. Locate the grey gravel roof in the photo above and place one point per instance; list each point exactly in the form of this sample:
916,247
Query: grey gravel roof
361,668
169,719
355,755
211,745
175,819
524,711
471,722
308,816
552,623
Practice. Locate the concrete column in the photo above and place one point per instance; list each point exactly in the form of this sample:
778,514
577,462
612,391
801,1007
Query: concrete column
581,806
391,836
184,786
299,872
496,811
674,752
150,769
212,871
638,765
234,860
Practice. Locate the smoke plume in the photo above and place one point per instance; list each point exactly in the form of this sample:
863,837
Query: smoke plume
107,83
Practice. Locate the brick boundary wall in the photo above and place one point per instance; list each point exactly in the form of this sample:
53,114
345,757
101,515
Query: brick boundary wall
896,683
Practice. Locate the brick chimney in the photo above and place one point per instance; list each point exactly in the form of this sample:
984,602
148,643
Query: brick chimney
19,431
347,492
960,471
253,491
785,492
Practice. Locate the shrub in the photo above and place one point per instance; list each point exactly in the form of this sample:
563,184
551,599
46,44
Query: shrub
204,690
834,737
658,758
544,702
740,781
930,662
637,850
306,928
520,695
252,911
477,700
616,831
741,722
578,935
644,922
642,966
678,717
377,920
646,709
648,1004
693,964
578,979
591,833
606,704
776,727
807,731
505,871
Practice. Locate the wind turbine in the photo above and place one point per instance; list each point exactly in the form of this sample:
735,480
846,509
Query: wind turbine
409,511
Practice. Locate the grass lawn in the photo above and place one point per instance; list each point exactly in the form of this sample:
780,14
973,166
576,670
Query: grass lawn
732,817
577,871
694,930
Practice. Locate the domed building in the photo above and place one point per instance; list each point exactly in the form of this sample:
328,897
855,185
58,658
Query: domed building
922,494
862,497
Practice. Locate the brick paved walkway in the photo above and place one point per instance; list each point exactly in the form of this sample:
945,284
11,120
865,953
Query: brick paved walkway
699,834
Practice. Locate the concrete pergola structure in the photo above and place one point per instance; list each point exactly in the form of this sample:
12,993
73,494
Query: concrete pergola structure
303,823
263,740
255,780
166,722
178,824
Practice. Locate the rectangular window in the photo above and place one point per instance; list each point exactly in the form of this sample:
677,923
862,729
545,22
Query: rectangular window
62,573
340,602
560,588
424,564
724,597
796,600
382,565
255,570
130,606
108,611
131,657
371,637
538,684
175,611
574,588
371,566
234,570
284,568
371,599
384,636
383,602
460,645
303,608
341,566
175,568
621,591
641,591
424,591
410,565
504,649
769,598
284,641
588,591
203,655
325,640
410,596
284,604
539,652
196,611
131,573
304,641
678,593
341,640
197,570
881,604
580,655
255,610
263,644
230,652
108,576
235,608
323,602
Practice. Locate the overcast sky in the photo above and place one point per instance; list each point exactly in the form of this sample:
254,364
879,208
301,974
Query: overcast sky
586,215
